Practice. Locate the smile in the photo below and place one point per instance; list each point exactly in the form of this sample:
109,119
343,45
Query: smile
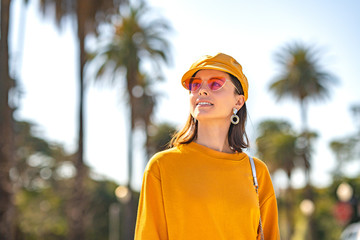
204,104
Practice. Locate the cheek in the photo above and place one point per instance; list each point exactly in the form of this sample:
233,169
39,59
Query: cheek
192,100
228,104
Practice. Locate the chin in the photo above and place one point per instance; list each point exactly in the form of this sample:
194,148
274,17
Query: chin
203,118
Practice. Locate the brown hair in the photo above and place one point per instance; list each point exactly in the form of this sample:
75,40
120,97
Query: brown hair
237,136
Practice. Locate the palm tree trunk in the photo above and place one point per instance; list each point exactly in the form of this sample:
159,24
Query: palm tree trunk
289,203
129,213
127,225
306,150
131,78
78,204
130,148
309,193
7,208
303,115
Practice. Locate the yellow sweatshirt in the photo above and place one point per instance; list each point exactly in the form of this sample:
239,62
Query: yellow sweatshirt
192,192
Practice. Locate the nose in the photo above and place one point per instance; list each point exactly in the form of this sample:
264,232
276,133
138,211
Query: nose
203,90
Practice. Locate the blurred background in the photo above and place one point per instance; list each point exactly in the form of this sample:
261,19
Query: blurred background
90,90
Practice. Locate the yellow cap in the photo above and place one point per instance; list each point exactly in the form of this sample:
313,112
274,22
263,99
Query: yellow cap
221,62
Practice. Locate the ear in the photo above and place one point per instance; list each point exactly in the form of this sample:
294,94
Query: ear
240,100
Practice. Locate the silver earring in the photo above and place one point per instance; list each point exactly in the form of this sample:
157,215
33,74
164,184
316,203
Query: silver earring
235,118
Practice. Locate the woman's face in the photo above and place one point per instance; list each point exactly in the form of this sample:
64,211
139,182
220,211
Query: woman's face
208,105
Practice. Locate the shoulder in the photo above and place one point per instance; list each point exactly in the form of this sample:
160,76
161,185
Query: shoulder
166,154
163,156
266,188
160,158
261,167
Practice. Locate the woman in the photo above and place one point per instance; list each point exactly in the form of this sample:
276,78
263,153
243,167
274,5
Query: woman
203,187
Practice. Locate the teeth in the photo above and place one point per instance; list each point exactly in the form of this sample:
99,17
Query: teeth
204,103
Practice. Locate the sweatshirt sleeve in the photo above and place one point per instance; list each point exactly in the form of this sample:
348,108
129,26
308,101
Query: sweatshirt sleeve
268,205
151,222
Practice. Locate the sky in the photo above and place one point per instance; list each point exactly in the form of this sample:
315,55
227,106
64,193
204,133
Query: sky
251,31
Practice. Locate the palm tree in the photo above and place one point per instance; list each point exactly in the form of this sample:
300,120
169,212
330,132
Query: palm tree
347,148
276,143
343,151
355,110
144,103
87,15
302,79
137,39
6,130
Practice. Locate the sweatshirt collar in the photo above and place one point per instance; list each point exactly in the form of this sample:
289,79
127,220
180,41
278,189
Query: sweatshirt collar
195,147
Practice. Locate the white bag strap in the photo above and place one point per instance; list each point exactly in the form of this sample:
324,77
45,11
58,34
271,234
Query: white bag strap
253,170
256,185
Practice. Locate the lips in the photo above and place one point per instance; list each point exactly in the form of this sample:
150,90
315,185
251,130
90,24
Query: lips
203,103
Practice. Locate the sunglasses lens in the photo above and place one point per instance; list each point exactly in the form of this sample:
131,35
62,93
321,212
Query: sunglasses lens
192,84
216,83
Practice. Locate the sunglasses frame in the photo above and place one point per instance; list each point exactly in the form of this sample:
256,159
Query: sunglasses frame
202,82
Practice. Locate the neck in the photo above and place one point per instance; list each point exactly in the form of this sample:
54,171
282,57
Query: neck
214,136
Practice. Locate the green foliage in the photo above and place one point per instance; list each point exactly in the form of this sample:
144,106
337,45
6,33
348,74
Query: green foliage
41,214
159,137
133,56
88,16
102,195
276,144
344,151
347,149
43,179
301,75
138,37
327,226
